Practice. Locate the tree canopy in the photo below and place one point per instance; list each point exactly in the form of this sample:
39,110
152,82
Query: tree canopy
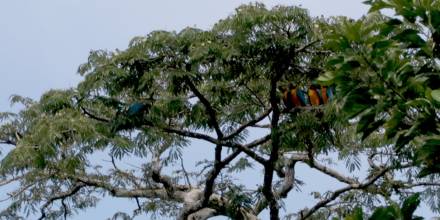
224,87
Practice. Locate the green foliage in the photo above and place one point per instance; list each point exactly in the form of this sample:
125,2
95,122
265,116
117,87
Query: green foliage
239,200
131,103
167,89
391,212
386,72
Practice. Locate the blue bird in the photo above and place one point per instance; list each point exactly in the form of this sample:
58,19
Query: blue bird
330,92
136,108
303,97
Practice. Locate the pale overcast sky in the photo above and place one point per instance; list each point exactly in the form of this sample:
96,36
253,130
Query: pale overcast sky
43,42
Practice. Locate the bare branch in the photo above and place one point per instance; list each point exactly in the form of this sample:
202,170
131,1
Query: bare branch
89,114
61,196
248,124
209,109
333,173
185,173
303,48
247,149
191,134
7,181
336,193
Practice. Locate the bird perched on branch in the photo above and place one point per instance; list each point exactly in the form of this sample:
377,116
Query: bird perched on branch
131,117
315,98
294,97
136,108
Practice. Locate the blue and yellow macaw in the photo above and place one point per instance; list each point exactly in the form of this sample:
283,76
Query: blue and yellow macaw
330,92
323,94
314,96
286,97
303,97
294,97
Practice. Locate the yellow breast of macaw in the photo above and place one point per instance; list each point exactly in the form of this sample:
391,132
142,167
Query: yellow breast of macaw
314,97
294,97
324,94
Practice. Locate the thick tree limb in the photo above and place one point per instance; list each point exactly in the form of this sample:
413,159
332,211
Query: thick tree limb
139,192
286,187
269,166
218,166
209,186
333,173
164,180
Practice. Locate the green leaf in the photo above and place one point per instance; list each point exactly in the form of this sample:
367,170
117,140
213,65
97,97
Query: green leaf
40,161
411,37
382,44
385,213
435,19
357,101
389,26
356,215
436,95
428,155
364,122
377,5
327,78
409,206
409,15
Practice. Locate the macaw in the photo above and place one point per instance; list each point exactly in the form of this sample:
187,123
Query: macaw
130,118
136,108
330,92
314,96
286,97
294,96
303,97
323,94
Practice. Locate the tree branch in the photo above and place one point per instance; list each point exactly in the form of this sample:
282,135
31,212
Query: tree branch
303,48
86,112
209,109
274,154
61,196
191,134
248,124
247,149
336,193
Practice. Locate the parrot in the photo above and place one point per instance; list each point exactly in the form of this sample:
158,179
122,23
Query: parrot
294,97
314,96
136,109
293,93
323,94
303,97
286,97
330,92
130,118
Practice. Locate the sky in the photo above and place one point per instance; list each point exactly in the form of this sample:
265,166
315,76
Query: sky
43,42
